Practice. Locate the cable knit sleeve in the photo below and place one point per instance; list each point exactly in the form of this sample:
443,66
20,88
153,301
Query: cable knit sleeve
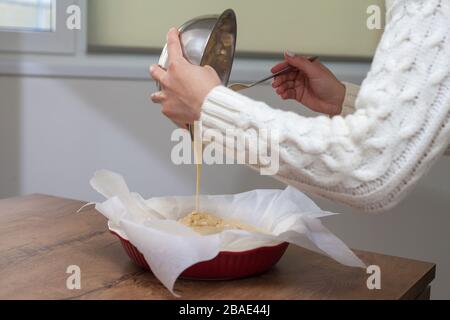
351,93
401,124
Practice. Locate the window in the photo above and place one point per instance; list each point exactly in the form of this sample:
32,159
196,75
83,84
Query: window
35,26
324,27
27,15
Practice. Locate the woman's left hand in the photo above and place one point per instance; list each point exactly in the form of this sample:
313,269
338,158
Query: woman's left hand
184,85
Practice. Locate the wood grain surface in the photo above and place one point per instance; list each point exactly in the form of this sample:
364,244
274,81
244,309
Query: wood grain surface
40,236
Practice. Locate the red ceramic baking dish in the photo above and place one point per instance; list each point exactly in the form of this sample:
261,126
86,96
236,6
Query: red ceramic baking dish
225,266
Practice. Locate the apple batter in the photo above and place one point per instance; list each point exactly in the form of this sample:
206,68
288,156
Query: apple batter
206,224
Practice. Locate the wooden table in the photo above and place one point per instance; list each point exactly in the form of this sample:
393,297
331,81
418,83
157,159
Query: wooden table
40,236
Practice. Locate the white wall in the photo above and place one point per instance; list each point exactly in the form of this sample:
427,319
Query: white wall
55,132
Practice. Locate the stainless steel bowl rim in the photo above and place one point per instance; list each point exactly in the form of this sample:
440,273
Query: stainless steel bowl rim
218,18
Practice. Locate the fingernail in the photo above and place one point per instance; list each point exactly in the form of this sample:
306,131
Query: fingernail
290,53
152,67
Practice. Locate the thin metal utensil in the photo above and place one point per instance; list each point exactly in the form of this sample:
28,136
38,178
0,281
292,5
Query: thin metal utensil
242,86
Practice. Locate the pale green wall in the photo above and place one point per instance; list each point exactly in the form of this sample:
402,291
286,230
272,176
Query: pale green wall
324,27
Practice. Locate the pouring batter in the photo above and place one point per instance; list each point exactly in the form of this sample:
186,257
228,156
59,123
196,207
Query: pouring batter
372,150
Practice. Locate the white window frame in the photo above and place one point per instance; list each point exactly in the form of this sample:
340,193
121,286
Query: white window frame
60,41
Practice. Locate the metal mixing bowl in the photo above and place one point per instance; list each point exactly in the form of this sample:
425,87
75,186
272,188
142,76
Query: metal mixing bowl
209,40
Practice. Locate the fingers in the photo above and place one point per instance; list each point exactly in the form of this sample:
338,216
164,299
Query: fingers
280,66
278,81
174,45
288,94
283,78
158,97
280,90
293,89
309,68
283,87
289,85
158,73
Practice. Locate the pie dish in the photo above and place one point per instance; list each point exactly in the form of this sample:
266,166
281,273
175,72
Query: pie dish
225,266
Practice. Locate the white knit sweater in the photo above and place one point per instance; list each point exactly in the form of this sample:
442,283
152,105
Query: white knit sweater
371,156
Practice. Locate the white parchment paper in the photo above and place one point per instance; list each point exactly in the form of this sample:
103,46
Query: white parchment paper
170,247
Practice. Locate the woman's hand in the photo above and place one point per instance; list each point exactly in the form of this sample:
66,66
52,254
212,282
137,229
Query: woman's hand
312,84
184,85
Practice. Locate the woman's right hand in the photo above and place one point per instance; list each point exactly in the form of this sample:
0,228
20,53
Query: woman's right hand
312,84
